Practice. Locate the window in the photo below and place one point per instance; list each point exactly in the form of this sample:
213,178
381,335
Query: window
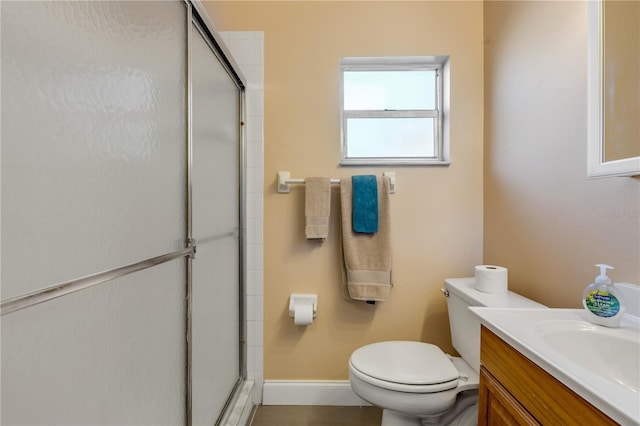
393,110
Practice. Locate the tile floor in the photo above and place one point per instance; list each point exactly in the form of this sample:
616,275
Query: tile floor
315,415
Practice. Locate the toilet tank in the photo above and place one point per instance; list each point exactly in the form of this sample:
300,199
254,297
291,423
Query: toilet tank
465,327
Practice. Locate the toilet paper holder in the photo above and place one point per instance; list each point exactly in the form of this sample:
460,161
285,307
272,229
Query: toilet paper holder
296,299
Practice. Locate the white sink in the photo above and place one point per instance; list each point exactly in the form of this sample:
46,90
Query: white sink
611,353
600,364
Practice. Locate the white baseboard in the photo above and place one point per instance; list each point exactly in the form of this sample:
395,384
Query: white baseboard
310,392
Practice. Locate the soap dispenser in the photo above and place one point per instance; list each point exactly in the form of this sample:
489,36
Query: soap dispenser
602,301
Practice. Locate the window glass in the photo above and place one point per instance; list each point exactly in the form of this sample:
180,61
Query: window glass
395,90
390,137
393,110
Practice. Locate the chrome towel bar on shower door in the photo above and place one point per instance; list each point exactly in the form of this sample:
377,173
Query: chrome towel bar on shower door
21,302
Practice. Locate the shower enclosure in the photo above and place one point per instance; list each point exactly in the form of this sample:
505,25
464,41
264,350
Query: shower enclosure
122,176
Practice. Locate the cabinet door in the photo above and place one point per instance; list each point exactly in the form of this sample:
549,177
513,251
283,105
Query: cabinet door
497,407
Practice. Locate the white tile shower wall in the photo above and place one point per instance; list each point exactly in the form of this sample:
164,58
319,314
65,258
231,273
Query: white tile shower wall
247,49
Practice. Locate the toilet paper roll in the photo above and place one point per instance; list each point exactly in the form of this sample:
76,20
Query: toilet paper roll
303,315
491,279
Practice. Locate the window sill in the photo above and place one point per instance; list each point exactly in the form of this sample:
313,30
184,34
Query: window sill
393,162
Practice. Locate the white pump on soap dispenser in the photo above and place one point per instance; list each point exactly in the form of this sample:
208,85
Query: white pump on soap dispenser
602,301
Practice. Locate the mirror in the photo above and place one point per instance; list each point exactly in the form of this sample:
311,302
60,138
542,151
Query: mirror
614,88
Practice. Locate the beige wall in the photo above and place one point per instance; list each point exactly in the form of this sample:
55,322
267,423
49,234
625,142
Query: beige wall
436,212
542,218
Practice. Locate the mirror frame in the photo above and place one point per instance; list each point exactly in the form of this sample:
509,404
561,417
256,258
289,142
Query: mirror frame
596,166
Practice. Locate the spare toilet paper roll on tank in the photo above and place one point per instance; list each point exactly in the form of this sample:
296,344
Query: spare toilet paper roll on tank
491,279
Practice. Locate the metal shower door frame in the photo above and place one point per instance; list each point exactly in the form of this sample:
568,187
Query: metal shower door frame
198,17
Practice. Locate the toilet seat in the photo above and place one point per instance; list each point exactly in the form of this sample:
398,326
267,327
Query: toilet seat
405,366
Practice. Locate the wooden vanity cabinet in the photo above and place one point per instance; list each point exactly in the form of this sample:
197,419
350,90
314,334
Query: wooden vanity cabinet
515,391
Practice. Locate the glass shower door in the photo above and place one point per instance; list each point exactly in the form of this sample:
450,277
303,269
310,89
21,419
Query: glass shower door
216,277
93,179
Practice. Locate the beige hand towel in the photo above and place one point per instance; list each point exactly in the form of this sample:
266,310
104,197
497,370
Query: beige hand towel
367,257
317,205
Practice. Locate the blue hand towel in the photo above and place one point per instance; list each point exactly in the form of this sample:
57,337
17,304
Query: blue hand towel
365,204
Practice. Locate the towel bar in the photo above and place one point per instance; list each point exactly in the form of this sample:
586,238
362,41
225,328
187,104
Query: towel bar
17,303
284,180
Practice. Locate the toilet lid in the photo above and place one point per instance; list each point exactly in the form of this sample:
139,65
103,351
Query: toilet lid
411,363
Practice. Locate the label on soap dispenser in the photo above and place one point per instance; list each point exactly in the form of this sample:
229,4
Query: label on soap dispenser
602,303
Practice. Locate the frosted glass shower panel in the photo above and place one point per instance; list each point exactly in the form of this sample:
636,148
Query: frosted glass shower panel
109,355
93,137
216,215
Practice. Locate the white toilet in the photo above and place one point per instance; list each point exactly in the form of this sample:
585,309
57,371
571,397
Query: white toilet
416,383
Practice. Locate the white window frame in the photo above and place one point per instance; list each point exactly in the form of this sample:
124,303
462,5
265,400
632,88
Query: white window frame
418,63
